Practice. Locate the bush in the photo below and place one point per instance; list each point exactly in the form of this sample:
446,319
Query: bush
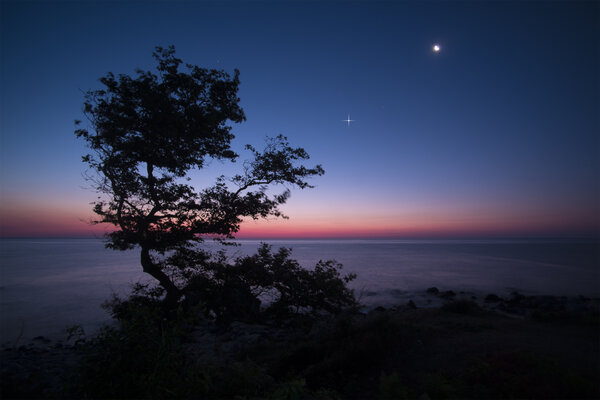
140,357
143,356
391,387
268,285
525,375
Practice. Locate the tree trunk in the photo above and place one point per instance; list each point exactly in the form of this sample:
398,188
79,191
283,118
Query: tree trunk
173,292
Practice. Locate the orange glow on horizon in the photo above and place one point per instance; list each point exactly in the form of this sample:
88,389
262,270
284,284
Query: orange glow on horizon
23,220
26,219
412,228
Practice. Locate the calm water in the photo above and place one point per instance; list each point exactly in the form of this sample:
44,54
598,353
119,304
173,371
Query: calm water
48,284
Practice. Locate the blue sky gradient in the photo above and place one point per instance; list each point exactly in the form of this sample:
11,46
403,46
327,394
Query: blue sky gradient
497,134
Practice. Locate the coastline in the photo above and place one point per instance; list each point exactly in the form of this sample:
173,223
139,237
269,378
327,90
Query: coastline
58,283
444,338
524,303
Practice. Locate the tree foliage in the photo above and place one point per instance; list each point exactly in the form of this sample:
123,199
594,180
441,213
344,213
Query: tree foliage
146,133
270,285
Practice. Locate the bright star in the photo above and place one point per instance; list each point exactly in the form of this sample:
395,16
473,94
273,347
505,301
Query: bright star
348,120
436,48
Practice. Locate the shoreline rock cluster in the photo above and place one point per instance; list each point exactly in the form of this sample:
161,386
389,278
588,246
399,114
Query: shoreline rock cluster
41,366
520,305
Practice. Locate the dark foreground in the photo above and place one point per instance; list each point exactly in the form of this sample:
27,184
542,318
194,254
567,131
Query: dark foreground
537,349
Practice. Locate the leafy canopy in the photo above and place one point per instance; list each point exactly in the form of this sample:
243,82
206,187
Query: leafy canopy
145,134
148,131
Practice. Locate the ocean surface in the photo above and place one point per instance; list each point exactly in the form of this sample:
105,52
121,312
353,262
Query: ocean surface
47,285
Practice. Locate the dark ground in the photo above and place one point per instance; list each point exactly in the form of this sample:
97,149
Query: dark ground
460,350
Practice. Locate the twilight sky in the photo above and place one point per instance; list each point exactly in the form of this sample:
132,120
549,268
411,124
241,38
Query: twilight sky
495,135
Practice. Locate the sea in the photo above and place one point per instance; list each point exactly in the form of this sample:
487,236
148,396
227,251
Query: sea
49,285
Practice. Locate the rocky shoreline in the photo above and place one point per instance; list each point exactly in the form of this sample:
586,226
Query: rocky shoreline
43,367
520,305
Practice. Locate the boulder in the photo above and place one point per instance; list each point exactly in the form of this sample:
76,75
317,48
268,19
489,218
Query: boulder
433,290
448,294
492,298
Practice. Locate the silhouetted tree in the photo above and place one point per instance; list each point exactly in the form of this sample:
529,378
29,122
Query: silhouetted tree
146,133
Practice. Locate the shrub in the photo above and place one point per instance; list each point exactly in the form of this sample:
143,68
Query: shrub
140,357
269,285
391,387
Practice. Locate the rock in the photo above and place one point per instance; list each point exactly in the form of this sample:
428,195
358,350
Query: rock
492,298
433,290
516,298
251,338
37,372
511,309
42,339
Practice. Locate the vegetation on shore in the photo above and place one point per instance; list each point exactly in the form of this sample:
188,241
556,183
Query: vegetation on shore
146,133
457,351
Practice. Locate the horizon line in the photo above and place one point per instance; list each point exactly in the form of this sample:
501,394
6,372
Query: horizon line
554,236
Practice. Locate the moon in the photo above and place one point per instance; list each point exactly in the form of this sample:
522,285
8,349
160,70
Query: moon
436,48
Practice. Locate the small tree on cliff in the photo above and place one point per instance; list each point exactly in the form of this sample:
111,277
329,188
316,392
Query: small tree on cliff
146,133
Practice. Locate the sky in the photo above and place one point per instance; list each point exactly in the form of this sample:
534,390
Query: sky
495,135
